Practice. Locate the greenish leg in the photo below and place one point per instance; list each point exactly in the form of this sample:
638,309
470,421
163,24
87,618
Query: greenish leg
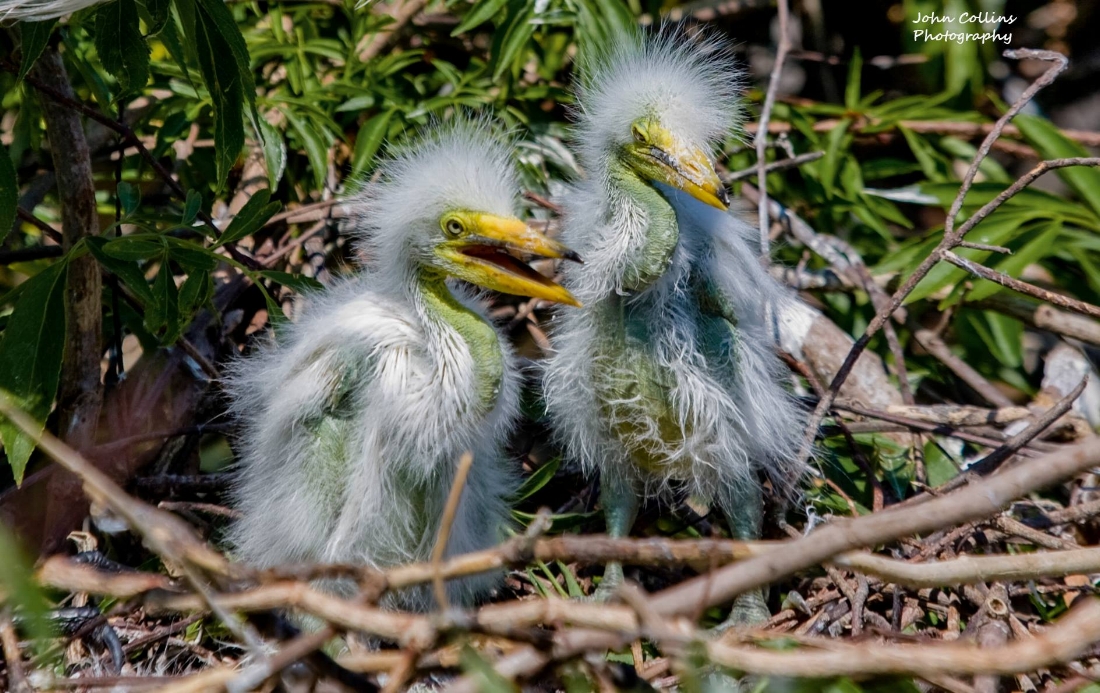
744,511
620,504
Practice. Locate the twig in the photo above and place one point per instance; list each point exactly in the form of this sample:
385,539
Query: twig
1043,316
976,501
42,226
761,140
166,534
995,459
951,236
1042,539
974,569
936,346
255,674
1075,513
781,165
985,247
445,523
937,428
17,679
1069,639
10,257
933,127
405,12
1060,300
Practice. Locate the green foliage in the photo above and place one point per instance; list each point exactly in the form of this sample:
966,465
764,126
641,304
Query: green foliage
121,47
9,194
30,357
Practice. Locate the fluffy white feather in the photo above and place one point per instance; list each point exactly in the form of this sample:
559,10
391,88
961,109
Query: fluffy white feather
40,10
353,423
731,426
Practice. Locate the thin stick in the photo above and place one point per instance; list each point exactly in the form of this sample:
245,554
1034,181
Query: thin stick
936,346
761,140
1060,300
1068,640
979,500
952,236
17,679
445,524
781,165
166,534
995,459
933,127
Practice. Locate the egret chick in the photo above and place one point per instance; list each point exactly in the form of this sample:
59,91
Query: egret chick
354,423
667,376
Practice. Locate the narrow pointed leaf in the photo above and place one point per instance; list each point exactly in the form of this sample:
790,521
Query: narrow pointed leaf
30,357
9,193
34,37
251,218
121,47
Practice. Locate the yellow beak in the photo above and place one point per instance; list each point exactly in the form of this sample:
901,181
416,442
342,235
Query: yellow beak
482,257
663,158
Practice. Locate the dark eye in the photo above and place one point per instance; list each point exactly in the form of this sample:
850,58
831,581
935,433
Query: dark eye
636,131
453,227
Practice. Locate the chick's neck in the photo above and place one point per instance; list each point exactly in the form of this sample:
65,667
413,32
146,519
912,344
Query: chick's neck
442,312
651,260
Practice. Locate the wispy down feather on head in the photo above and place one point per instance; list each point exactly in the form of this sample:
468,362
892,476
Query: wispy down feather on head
686,80
462,163
39,10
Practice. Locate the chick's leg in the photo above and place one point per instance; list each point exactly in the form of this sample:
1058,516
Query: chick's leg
743,506
620,502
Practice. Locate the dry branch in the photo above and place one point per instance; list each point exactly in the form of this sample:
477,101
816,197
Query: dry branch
952,236
1070,638
761,140
1060,300
976,501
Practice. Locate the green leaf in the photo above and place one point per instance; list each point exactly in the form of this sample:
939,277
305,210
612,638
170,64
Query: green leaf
9,193
30,358
129,196
194,257
126,270
538,479
34,37
837,143
121,47
481,12
159,12
298,282
162,315
127,248
517,29
274,152
251,218
368,141
191,207
851,92
315,146
227,82
1052,144
194,292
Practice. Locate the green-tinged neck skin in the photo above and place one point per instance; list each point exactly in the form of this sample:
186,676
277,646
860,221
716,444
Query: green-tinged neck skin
443,307
662,232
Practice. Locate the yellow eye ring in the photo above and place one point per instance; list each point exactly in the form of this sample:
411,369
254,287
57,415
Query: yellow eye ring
453,227
636,131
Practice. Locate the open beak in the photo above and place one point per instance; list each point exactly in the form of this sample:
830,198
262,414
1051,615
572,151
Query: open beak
485,258
666,160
